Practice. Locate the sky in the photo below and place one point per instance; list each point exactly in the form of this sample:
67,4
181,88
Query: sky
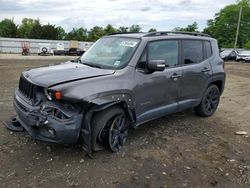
160,14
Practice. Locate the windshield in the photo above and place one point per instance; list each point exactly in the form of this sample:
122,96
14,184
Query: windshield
110,52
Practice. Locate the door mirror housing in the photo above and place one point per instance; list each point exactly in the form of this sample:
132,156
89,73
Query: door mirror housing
156,65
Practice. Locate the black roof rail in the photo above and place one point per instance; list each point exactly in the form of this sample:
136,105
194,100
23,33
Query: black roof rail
159,33
117,33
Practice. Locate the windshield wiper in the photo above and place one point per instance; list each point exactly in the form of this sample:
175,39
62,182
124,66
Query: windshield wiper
92,65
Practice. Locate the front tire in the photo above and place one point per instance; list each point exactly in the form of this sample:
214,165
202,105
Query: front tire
115,127
209,102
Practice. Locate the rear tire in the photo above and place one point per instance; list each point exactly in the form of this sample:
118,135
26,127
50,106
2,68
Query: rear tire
115,127
209,102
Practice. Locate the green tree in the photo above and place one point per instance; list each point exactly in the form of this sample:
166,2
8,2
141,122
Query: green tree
36,31
243,2
95,33
247,45
8,28
79,34
49,32
224,25
135,29
61,34
72,35
190,28
109,29
152,30
123,29
82,34
30,28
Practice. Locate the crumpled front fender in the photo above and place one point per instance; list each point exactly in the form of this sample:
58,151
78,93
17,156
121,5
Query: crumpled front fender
89,134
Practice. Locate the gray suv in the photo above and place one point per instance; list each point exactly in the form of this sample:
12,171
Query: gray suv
122,81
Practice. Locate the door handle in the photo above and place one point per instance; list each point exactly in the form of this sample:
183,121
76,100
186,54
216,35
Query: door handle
175,76
205,69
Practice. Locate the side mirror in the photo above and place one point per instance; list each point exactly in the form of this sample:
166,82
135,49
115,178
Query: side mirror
157,65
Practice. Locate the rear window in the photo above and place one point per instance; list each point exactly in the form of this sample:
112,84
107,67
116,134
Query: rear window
192,51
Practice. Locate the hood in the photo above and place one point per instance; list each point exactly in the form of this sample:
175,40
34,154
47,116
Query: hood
244,55
65,72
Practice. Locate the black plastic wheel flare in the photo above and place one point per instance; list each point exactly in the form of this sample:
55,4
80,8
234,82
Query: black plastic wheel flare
212,101
118,133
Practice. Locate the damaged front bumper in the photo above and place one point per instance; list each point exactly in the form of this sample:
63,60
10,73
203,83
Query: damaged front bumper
42,124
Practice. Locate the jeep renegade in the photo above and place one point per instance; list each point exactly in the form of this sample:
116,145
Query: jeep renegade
122,81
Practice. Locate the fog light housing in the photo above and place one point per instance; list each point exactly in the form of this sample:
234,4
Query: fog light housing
52,131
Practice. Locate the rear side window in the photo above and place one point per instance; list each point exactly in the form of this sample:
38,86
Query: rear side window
192,51
164,50
208,49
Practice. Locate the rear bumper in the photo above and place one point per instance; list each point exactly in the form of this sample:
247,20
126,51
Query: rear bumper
42,126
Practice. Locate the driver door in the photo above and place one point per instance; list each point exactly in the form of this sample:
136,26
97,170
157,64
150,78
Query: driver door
157,93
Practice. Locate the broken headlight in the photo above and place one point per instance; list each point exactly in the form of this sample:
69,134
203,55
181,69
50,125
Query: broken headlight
53,111
48,94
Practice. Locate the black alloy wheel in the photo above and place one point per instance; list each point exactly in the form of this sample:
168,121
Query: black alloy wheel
209,103
212,100
118,133
115,127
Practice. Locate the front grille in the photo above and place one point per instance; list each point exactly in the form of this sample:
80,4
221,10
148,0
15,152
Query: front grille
27,89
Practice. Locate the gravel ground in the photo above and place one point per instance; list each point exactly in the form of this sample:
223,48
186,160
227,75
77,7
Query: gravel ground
181,150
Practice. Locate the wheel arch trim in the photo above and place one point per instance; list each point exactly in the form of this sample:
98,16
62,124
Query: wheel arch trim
88,134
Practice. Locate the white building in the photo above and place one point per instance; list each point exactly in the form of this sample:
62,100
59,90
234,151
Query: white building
14,45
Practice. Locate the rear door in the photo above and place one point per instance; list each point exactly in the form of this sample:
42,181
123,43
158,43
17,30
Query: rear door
157,93
196,57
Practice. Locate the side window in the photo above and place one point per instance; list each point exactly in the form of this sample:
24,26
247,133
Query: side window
192,51
232,54
164,50
208,49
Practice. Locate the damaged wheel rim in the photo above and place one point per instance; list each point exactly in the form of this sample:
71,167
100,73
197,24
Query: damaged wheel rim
118,133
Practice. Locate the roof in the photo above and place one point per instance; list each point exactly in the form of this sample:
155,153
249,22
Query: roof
163,34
